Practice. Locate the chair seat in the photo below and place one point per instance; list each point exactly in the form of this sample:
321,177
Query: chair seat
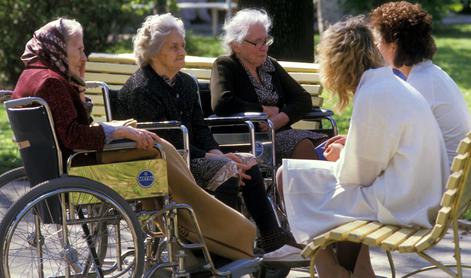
372,233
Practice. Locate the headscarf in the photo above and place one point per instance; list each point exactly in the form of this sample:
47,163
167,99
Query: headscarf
48,45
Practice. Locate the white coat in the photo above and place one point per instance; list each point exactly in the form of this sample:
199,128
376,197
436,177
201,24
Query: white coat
392,169
445,100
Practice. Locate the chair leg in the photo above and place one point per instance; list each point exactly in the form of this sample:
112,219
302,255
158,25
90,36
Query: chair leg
456,239
391,264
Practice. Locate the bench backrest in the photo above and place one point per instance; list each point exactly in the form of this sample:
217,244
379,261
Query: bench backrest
115,69
456,198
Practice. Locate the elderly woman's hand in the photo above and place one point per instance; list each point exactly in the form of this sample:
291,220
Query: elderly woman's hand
241,166
271,111
143,138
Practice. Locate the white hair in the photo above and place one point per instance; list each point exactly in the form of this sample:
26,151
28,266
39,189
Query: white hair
71,27
151,36
236,28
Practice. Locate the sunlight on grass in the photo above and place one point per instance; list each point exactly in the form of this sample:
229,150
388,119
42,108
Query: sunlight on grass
9,156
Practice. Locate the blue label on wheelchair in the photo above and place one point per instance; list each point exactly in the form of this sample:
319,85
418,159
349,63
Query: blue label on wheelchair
258,149
145,178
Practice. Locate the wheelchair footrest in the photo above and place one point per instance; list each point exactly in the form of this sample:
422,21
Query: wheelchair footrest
242,267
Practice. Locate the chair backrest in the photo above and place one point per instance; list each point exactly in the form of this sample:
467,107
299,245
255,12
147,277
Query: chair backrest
33,129
456,197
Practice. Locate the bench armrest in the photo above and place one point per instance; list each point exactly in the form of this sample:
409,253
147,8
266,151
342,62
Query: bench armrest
239,118
317,113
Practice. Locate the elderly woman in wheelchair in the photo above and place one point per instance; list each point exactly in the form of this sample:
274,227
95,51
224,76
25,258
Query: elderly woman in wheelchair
70,224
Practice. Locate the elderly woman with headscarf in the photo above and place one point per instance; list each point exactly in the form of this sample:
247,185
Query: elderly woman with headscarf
159,91
55,63
248,80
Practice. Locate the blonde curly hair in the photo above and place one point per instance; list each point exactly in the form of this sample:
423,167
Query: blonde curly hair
345,51
151,36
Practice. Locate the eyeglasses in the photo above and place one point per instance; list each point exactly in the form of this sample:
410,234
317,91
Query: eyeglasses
267,42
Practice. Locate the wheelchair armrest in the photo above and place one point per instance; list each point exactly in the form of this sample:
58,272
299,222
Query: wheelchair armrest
318,113
159,125
119,144
238,118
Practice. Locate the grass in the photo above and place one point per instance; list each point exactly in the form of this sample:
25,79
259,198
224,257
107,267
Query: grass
453,55
9,156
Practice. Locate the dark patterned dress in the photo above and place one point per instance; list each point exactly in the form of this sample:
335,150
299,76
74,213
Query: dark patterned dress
149,97
285,139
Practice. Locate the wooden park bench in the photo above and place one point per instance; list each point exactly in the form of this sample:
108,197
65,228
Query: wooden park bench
115,69
456,199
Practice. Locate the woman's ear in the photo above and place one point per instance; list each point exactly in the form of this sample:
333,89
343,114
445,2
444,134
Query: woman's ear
235,47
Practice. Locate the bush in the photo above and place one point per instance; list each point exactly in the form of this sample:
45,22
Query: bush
20,18
437,8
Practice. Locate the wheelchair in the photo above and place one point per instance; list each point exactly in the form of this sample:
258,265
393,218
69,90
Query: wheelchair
86,217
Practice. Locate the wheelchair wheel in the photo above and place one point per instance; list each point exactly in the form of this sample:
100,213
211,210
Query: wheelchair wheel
71,227
13,185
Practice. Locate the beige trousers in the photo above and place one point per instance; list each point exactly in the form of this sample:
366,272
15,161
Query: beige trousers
227,232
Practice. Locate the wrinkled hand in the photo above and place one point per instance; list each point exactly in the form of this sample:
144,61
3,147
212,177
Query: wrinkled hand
271,111
332,152
278,121
240,164
144,139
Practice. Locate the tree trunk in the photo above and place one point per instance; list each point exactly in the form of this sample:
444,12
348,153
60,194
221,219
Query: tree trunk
329,12
293,27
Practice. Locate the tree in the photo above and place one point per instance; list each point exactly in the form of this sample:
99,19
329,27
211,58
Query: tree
20,18
293,27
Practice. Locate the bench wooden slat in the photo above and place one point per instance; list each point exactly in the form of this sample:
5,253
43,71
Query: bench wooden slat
428,240
448,197
107,78
306,77
199,73
96,99
409,244
392,242
320,240
342,231
360,233
443,215
197,62
111,68
464,145
123,58
313,90
454,180
98,112
459,162
377,236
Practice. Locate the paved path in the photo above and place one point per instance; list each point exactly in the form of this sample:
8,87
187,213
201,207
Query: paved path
406,263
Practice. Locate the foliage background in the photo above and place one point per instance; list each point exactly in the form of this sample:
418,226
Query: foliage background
437,8
102,21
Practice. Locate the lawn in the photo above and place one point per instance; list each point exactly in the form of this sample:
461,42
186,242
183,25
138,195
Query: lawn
453,55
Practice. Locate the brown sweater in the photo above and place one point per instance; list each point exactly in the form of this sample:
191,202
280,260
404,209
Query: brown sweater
71,121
